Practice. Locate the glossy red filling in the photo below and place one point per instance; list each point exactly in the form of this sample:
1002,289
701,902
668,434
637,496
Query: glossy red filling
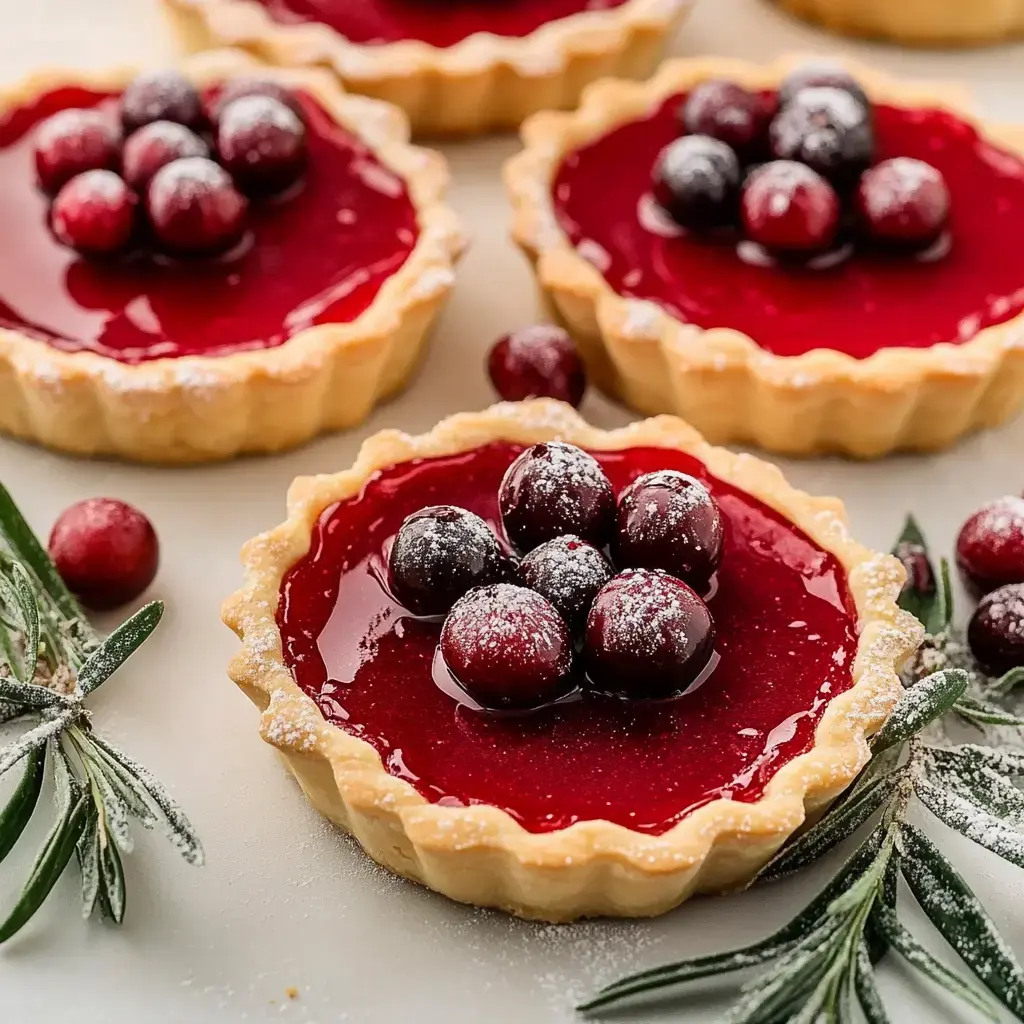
437,22
316,255
787,641
869,302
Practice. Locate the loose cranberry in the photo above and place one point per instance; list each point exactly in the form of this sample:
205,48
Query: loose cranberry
568,572
95,214
537,362
507,647
155,146
789,209
669,521
195,209
648,635
729,113
106,551
996,630
697,181
240,87
440,553
72,142
161,96
821,75
920,575
990,547
554,489
262,143
903,202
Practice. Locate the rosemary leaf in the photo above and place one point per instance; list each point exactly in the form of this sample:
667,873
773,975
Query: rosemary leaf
11,712
972,821
115,811
131,791
29,695
868,996
16,815
22,587
113,888
971,757
980,784
88,851
37,737
113,652
983,712
941,614
922,704
1007,683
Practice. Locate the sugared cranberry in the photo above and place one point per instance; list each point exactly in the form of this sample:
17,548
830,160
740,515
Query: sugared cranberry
648,635
827,129
568,572
554,489
262,143
697,181
729,113
440,553
249,86
537,362
95,214
920,575
161,96
903,202
990,547
821,75
155,146
668,520
106,551
72,142
789,209
507,647
996,630
195,209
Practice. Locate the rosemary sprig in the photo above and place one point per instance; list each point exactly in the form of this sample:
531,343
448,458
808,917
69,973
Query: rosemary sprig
823,961
50,661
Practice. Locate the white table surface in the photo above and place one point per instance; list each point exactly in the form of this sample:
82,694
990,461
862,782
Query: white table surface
284,900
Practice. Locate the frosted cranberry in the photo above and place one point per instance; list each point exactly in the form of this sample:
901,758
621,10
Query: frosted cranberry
195,209
697,181
95,214
568,572
789,209
537,362
262,143
903,202
440,553
161,96
554,489
729,113
72,142
248,86
990,547
668,520
818,75
507,647
106,551
996,630
648,635
155,146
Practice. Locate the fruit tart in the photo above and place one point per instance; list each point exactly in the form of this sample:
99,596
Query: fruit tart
210,261
454,66
567,672
809,257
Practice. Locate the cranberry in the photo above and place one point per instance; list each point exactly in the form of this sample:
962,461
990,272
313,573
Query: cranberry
697,181
821,75
507,647
262,143
161,96
72,142
648,635
903,202
95,214
554,489
248,86
537,362
788,208
440,553
990,547
996,630
155,146
195,209
920,575
729,113
106,551
568,572
669,521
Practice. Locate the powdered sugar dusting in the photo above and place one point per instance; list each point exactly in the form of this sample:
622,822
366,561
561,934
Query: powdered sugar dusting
559,473
1002,519
186,181
569,573
251,115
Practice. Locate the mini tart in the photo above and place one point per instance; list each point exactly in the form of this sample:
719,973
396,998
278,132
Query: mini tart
455,85
76,394
815,397
430,810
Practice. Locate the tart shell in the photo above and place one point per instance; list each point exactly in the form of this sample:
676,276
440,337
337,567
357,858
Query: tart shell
196,408
483,83
720,380
480,854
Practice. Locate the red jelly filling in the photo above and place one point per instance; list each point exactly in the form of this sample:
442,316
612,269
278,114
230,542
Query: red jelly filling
430,21
319,254
868,302
786,637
